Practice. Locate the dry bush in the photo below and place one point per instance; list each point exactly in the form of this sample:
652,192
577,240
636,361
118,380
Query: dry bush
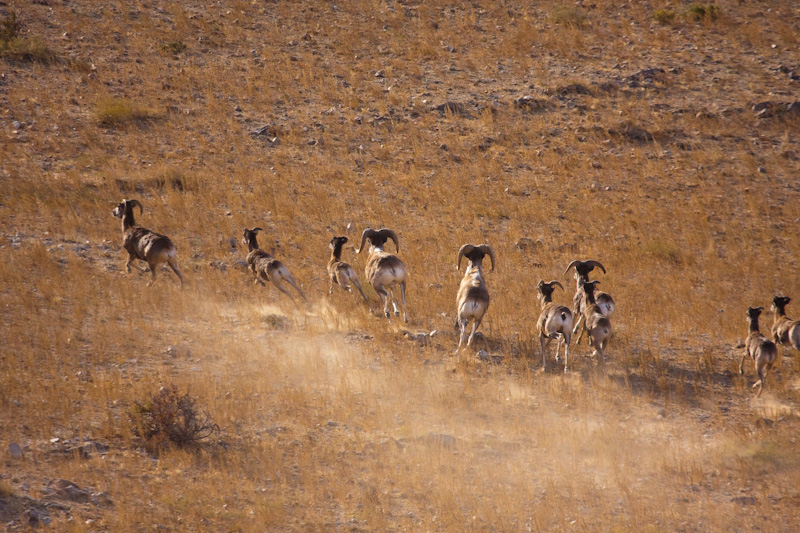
170,418
16,47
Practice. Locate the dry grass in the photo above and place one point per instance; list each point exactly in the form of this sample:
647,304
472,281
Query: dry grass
334,419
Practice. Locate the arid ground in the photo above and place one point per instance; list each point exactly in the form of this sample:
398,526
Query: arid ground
661,138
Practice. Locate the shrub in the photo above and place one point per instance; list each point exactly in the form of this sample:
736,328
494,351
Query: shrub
700,12
664,16
174,47
569,16
15,47
118,111
171,418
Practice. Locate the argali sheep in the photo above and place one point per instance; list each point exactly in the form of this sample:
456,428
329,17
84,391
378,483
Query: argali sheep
605,302
144,244
473,296
264,266
555,322
384,270
341,273
597,326
762,350
785,331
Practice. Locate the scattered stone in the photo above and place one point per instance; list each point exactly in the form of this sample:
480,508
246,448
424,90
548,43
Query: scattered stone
14,450
61,489
219,265
380,74
744,500
529,103
526,243
483,355
456,108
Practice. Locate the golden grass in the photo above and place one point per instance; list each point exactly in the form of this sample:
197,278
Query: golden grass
334,419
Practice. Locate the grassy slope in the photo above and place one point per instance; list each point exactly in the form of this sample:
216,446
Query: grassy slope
338,421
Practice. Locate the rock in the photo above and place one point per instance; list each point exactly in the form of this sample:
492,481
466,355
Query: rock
380,74
526,243
14,450
61,489
529,103
744,500
456,108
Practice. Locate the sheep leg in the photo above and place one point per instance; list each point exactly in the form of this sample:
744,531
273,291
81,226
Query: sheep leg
578,324
383,294
565,340
394,302
544,342
174,266
153,272
403,298
475,324
741,363
130,262
462,324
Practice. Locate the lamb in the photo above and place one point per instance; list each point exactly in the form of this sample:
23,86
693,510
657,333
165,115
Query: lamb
342,273
473,296
555,322
597,326
762,350
385,270
144,244
785,331
264,266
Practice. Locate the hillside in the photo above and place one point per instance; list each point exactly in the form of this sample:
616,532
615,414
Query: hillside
660,138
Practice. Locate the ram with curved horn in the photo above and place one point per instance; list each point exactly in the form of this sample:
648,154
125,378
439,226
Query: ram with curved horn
473,296
144,244
267,268
384,270
605,303
555,322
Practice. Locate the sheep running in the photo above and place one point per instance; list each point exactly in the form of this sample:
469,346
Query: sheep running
785,331
341,273
384,270
555,322
762,350
473,296
605,303
264,266
144,244
597,326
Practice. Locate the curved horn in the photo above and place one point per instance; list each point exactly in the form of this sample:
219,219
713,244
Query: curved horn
386,232
467,248
539,285
256,230
572,264
136,203
368,233
485,248
555,282
593,263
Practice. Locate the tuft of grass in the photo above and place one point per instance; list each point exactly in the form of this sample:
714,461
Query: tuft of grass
702,12
664,16
170,418
664,251
570,17
174,47
120,111
15,47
